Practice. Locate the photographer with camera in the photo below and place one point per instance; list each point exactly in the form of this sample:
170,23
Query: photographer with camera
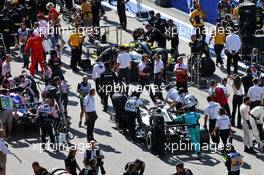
94,152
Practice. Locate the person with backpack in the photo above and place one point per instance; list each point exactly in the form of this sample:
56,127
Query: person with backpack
94,152
132,110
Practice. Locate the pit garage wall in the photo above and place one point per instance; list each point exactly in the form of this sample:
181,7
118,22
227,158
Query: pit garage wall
209,6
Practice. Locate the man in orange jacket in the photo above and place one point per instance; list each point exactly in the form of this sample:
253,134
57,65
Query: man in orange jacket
37,54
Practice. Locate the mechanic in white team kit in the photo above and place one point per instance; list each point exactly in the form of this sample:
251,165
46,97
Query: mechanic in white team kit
256,120
247,128
132,110
212,112
185,99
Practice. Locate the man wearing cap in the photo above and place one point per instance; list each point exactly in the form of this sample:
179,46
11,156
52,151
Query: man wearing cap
233,45
181,72
6,67
180,170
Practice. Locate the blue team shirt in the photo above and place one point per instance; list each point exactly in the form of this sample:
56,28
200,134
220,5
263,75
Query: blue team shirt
190,118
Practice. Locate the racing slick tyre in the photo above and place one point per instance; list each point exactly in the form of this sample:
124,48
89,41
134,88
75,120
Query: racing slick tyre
59,171
204,136
134,72
119,101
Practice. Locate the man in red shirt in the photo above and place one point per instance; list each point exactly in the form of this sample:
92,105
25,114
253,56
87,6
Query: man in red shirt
37,54
53,14
220,94
181,72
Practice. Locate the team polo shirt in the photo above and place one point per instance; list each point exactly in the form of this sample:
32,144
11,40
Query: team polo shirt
256,93
222,122
172,95
212,110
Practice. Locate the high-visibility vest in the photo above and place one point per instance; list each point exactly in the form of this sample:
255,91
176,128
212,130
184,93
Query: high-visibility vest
236,161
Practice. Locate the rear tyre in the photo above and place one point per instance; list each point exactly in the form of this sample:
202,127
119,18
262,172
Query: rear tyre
204,136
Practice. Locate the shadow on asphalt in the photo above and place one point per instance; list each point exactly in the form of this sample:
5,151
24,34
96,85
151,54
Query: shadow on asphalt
108,148
73,103
190,158
102,132
56,155
246,165
72,94
238,138
20,139
107,9
260,156
66,66
77,133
